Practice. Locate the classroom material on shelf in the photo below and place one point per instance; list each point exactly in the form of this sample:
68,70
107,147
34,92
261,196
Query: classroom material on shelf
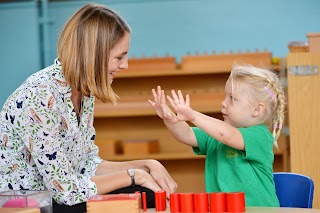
314,42
108,148
152,63
219,62
115,203
312,45
140,146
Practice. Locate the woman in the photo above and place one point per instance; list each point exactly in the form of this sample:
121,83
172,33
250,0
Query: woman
46,125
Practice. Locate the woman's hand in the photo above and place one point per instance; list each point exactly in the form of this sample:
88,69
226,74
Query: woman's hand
161,107
161,176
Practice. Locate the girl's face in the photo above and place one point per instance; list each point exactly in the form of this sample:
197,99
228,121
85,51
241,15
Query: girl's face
118,57
236,108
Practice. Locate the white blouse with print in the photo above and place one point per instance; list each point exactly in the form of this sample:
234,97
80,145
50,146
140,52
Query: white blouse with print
42,147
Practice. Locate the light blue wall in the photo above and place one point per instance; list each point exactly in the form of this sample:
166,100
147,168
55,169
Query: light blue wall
19,45
166,26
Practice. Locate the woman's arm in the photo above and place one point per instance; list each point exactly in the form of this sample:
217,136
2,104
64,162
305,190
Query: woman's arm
150,173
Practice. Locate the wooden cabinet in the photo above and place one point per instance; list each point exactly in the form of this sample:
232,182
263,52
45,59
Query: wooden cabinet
134,118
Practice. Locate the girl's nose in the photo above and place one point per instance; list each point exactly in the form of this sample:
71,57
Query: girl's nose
223,103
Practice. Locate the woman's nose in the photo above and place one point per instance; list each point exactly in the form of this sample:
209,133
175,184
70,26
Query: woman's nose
124,64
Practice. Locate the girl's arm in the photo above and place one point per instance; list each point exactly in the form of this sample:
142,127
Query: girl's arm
220,130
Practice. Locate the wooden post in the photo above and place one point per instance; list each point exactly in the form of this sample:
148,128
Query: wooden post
304,116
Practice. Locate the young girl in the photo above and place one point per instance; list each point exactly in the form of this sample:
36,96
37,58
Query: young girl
239,152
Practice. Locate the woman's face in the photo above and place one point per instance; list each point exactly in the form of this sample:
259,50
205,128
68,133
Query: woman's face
119,57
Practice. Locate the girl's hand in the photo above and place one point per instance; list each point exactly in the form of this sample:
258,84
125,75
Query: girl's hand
161,107
181,106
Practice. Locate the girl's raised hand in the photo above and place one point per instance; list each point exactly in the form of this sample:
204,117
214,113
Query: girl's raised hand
181,107
161,107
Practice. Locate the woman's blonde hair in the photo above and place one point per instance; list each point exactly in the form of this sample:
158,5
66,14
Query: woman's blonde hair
262,85
84,48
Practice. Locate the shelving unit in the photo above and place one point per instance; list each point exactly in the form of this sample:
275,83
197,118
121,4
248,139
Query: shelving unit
134,118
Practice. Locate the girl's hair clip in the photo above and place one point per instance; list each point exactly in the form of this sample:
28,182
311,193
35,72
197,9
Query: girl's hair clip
270,93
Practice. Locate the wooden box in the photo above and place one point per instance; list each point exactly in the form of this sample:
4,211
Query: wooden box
314,42
298,46
108,147
114,203
131,147
222,62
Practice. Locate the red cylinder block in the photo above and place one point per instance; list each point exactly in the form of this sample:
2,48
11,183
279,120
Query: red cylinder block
200,202
235,202
218,202
186,202
161,200
175,202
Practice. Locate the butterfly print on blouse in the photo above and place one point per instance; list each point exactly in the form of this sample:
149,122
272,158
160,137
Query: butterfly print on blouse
12,118
10,186
52,156
19,104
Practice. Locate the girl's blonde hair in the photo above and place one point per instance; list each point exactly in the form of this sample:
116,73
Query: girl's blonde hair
262,85
84,48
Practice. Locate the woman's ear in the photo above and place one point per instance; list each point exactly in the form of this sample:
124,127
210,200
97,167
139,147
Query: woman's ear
259,109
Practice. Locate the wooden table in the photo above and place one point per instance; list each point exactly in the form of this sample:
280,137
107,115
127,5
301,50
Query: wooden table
258,210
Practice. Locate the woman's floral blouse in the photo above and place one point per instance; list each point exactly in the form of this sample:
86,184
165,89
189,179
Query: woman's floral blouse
42,147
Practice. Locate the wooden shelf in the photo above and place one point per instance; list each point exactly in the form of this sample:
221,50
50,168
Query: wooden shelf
139,106
173,72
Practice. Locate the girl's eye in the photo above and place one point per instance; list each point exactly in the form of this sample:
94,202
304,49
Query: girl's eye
119,58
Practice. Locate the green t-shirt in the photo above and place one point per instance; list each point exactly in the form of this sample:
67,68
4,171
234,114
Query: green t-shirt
231,170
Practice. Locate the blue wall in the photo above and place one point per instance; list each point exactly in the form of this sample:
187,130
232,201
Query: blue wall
159,27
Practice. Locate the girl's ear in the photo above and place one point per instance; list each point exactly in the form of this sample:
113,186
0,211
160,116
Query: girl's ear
259,109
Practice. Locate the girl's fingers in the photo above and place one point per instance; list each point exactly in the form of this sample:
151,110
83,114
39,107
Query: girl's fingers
181,99
158,94
187,100
155,96
163,99
171,102
152,103
175,97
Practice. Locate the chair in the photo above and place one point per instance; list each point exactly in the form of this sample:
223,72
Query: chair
294,190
